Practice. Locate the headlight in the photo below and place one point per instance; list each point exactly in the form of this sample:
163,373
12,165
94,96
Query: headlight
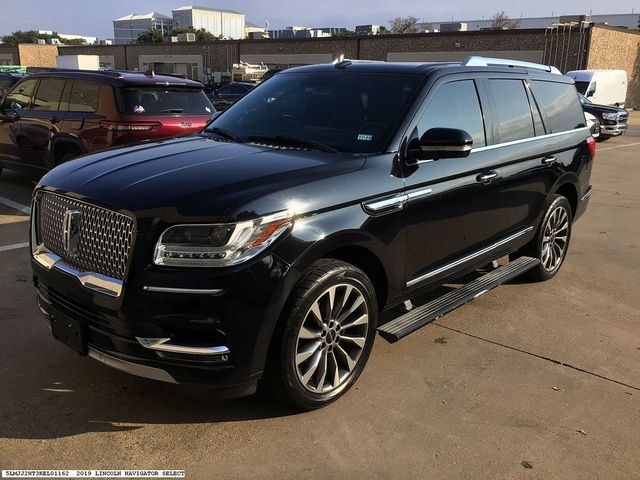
219,245
610,116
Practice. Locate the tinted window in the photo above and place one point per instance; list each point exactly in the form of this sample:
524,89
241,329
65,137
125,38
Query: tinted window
144,100
560,104
455,105
20,96
49,93
514,120
85,96
582,87
349,111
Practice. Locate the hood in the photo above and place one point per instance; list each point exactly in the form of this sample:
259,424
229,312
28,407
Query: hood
199,178
594,109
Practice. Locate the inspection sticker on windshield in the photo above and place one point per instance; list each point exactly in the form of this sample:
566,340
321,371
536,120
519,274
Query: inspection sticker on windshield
364,137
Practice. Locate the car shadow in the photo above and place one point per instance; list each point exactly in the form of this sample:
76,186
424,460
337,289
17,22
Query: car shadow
86,396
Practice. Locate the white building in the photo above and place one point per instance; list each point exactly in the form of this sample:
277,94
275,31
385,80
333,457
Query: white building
65,36
223,23
127,29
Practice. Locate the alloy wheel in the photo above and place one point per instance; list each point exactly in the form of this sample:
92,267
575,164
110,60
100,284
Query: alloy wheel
554,240
331,338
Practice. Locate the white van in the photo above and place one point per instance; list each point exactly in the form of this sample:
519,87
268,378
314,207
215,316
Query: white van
604,87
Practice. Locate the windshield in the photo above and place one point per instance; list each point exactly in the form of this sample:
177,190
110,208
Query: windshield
584,100
582,87
349,112
152,100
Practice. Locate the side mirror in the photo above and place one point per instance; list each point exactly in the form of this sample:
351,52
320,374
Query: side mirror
438,143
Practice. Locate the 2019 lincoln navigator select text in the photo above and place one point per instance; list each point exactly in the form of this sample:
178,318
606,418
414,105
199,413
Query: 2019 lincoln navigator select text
266,247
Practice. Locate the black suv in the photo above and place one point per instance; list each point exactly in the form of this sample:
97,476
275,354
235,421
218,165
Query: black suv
266,247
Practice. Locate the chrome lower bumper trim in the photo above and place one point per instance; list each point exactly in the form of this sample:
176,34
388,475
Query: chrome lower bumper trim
91,280
587,194
162,345
195,291
132,368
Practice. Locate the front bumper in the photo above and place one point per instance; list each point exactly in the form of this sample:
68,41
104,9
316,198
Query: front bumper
618,129
178,334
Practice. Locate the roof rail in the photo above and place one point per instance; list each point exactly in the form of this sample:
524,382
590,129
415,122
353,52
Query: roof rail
110,73
475,61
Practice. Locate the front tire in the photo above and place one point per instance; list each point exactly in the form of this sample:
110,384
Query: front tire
324,340
551,242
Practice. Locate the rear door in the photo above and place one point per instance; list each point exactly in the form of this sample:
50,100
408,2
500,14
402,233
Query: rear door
533,165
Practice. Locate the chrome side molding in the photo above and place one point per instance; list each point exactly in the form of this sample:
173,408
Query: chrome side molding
587,194
385,204
468,258
162,345
91,280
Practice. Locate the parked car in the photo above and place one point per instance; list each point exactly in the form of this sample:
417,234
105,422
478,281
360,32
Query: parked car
593,123
51,117
605,87
8,80
267,246
613,120
227,95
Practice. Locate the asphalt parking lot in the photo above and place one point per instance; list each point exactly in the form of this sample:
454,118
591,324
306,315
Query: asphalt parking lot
528,381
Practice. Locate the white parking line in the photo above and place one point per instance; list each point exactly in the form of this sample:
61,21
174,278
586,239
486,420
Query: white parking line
15,246
15,205
617,146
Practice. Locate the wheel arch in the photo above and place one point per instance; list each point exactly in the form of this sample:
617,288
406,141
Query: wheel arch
568,190
64,145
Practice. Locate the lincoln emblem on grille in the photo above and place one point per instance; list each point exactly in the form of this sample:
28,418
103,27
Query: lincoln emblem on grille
71,230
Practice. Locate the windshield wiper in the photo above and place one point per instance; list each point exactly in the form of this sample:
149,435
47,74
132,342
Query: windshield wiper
223,132
289,140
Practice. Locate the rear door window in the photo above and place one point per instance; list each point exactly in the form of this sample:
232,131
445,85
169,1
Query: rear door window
143,100
455,105
560,104
514,121
85,96
20,96
48,95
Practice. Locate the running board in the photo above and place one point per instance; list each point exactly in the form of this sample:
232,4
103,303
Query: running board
421,316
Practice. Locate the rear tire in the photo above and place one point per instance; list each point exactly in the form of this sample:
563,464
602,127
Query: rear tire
325,337
551,243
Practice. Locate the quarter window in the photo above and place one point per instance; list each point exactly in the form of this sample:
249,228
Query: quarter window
20,96
455,105
560,104
513,113
49,93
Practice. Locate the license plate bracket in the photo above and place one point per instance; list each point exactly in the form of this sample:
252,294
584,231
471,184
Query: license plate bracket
69,331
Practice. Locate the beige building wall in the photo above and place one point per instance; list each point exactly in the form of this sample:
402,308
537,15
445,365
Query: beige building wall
617,49
34,55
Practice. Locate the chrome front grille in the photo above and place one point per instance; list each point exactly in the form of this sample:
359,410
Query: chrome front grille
623,118
104,238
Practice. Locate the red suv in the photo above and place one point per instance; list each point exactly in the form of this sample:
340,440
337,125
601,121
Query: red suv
54,116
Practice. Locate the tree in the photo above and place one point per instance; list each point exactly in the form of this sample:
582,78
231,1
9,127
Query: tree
150,36
345,33
383,30
501,21
73,41
404,25
202,35
29,36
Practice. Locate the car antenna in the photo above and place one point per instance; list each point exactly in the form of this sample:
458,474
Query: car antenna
341,62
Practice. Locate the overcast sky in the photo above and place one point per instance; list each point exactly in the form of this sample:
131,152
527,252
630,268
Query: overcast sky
93,17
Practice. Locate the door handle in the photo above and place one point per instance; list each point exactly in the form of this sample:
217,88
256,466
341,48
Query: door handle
548,160
487,177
